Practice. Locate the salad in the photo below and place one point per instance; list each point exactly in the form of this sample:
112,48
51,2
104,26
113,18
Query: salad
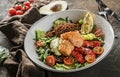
70,45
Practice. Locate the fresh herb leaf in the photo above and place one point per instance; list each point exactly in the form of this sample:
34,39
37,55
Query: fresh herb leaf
4,53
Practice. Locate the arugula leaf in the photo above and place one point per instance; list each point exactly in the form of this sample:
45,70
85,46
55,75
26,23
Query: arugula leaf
43,53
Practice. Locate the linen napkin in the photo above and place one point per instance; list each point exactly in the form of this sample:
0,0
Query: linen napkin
15,28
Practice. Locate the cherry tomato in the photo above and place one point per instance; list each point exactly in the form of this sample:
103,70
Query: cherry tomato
27,3
90,58
23,9
69,61
98,50
12,11
27,7
31,1
50,60
19,12
39,43
78,56
18,7
98,32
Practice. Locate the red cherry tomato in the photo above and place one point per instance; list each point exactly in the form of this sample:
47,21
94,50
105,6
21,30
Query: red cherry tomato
27,3
50,60
23,9
12,11
39,43
98,50
98,32
19,12
18,7
69,61
27,7
90,58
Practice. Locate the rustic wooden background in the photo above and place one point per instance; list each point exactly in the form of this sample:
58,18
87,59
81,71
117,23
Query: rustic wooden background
109,67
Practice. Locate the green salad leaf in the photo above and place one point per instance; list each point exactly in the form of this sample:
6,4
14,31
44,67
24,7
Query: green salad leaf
40,34
61,21
65,67
43,53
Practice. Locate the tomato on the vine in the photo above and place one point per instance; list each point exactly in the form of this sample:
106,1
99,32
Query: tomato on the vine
12,11
18,6
27,3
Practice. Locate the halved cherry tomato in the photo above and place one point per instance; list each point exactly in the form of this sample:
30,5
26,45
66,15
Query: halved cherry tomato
12,11
50,60
90,58
18,6
98,50
68,61
39,43
98,32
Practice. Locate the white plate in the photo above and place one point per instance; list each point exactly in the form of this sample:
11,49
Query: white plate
74,14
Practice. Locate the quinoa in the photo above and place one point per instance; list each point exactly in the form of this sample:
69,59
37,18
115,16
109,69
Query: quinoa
62,28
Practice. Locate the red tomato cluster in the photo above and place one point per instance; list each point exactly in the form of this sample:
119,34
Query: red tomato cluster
20,9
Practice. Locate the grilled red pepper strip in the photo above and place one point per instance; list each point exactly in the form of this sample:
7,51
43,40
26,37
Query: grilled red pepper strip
78,56
92,44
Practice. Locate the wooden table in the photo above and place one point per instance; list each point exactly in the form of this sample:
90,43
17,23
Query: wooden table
108,67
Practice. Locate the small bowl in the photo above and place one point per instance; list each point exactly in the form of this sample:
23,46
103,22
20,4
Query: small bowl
74,14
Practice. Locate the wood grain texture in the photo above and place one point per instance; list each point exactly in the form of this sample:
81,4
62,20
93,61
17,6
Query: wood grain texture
108,67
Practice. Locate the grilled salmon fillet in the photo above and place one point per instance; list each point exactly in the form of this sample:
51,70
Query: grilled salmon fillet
74,37
66,47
